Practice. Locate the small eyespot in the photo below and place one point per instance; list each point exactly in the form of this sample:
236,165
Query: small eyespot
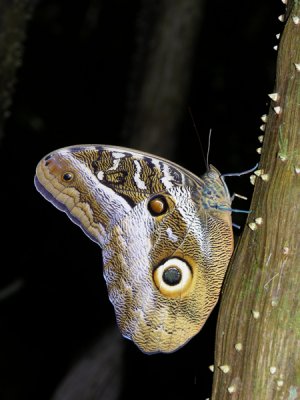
68,176
173,278
158,205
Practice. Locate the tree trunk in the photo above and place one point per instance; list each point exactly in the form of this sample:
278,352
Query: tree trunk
162,70
257,352
14,16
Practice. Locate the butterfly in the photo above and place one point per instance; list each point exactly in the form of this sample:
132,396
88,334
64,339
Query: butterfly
165,234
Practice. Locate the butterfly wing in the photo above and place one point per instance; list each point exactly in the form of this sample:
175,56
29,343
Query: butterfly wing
166,235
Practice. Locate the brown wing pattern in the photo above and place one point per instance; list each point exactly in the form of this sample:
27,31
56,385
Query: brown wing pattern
166,235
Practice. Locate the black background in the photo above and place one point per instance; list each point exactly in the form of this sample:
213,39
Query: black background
72,88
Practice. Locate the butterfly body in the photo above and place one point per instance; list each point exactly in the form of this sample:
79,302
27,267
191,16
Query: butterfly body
165,234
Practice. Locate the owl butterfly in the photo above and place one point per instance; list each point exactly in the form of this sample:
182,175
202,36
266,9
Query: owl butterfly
166,235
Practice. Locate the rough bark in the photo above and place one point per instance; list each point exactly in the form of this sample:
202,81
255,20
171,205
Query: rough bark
258,334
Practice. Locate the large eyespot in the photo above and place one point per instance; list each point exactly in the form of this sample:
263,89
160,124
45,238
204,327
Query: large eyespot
173,278
68,176
158,205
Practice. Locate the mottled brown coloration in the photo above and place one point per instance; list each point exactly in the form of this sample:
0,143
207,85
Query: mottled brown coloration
148,215
260,307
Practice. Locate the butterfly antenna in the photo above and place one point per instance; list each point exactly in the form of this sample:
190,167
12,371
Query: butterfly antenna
208,147
198,136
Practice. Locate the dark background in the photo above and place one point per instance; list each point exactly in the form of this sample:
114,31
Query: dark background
73,87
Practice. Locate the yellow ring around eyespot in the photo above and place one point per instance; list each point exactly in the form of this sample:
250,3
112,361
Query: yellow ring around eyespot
176,290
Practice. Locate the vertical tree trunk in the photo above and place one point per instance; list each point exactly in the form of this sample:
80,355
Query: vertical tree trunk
14,15
162,73
257,353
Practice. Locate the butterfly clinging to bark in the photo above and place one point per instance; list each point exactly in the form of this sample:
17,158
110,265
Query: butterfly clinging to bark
165,234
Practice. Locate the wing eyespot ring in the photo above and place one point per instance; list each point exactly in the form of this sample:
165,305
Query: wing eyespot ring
173,278
158,205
